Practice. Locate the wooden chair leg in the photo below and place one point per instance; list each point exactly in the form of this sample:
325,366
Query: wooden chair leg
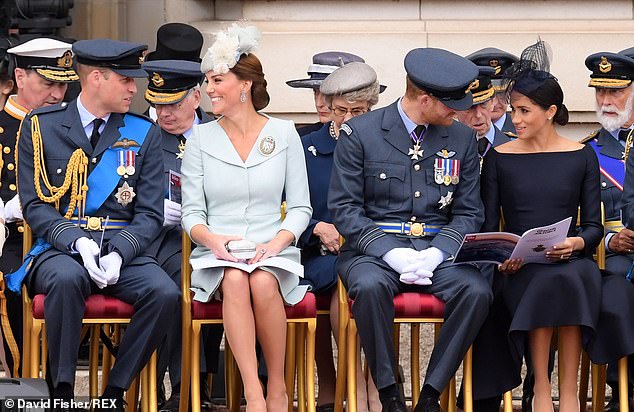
598,387
93,362
351,370
183,404
44,350
36,330
340,385
300,353
291,336
623,380
467,380
106,361
508,401
149,391
145,402
195,368
396,340
451,407
310,364
132,395
415,361
233,382
583,381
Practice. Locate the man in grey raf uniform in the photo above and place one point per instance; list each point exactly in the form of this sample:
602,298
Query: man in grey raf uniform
116,157
404,192
174,92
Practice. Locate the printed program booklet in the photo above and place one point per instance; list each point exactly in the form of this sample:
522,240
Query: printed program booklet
496,247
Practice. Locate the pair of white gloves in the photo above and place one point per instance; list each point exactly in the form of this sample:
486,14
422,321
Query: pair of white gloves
12,211
171,213
109,268
414,267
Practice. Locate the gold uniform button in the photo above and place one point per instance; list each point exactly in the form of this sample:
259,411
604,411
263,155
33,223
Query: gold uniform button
21,229
1,129
6,150
10,166
417,167
12,187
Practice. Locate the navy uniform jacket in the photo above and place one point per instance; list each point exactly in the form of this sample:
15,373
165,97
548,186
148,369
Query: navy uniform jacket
9,126
611,195
62,134
319,147
500,137
374,179
168,242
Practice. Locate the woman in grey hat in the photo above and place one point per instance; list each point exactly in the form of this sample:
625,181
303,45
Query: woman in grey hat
349,91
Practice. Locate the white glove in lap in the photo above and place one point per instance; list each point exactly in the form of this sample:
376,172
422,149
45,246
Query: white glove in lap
12,211
399,258
111,265
89,250
171,213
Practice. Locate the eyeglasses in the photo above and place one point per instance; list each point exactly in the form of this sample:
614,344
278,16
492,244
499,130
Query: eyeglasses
342,111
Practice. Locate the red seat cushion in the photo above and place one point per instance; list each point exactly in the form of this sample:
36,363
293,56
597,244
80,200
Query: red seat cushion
415,305
213,310
97,306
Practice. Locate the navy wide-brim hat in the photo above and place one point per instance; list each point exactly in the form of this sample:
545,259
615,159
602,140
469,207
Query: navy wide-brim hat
323,64
610,70
169,81
121,57
442,74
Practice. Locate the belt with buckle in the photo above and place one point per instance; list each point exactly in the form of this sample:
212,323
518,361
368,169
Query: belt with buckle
414,229
99,223
613,226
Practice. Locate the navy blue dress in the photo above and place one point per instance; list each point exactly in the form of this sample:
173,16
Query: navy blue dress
319,269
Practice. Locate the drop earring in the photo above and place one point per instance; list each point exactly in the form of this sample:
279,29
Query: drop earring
243,96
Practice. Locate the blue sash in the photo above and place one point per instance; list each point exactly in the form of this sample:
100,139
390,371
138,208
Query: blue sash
104,178
613,169
14,280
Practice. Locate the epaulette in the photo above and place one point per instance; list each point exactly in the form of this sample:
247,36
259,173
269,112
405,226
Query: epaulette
346,129
511,134
590,136
49,109
142,116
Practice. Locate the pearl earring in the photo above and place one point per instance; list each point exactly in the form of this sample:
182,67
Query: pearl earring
243,96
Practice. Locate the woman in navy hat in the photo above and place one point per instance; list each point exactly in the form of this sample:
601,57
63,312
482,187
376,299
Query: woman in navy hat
234,173
349,91
536,180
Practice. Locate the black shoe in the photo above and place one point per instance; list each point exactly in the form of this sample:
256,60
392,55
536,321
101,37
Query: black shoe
172,403
394,405
427,405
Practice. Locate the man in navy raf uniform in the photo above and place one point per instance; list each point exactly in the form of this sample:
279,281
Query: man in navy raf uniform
97,176
404,192
612,76
499,60
174,92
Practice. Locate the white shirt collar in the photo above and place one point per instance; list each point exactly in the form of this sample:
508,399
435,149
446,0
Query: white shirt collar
87,118
499,123
189,131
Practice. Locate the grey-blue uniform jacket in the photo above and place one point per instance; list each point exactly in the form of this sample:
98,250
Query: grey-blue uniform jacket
62,134
374,179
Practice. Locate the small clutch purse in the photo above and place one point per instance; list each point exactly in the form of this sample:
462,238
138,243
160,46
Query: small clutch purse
241,249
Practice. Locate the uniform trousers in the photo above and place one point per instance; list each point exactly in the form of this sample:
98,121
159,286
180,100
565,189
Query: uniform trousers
372,284
67,284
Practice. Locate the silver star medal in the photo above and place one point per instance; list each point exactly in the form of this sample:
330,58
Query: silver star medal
415,151
445,200
125,194
181,150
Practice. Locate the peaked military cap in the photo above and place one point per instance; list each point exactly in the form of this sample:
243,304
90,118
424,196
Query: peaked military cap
629,52
495,58
121,57
324,64
50,58
177,41
482,89
170,80
351,77
443,74
610,70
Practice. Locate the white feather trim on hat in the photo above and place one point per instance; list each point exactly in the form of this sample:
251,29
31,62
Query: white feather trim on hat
228,47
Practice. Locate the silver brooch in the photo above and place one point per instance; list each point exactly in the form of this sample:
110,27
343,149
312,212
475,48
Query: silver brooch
312,150
267,145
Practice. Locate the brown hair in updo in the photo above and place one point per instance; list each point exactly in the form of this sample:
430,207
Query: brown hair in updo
250,68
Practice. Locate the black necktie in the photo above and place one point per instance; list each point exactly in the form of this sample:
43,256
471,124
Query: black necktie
483,144
419,130
94,137
623,133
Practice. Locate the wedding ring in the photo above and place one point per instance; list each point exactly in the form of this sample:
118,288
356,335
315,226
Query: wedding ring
262,251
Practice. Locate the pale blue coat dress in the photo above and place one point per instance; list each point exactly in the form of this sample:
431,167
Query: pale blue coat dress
232,197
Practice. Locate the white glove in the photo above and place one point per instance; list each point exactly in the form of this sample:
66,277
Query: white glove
3,236
399,258
111,265
12,211
413,278
427,261
89,250
171,213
